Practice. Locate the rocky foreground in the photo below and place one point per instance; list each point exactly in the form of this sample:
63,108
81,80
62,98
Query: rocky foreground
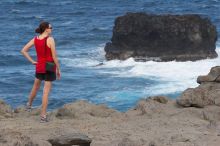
162,37
191,120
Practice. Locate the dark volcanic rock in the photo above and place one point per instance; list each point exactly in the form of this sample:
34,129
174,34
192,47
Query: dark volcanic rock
72,139
162,37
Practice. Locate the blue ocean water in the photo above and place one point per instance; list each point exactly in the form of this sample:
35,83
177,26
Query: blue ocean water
81,28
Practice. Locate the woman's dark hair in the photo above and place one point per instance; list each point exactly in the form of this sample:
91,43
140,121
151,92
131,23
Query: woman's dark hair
43,25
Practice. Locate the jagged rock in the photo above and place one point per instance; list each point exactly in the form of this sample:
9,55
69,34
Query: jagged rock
20,111
152,105
160,99
81,107
71,139
180,138
64,112
5,110
152,143
212,114
14,138
168,125
147,107
208,113
126,142
213,76
162,37
207,93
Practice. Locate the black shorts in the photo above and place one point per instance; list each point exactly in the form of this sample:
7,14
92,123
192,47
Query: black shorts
48,76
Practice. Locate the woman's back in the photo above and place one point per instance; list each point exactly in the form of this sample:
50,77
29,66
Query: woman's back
43,54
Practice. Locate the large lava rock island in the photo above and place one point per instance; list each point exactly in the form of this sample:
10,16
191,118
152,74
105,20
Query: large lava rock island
162,37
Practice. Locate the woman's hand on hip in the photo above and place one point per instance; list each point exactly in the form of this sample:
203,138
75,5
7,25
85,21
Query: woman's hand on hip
34,62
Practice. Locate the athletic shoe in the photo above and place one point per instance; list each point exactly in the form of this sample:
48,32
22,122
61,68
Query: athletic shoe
44,119
28,107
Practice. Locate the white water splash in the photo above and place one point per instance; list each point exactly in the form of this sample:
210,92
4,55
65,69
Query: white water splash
172,76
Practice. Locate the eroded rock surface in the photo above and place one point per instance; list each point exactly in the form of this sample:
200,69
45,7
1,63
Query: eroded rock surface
162,38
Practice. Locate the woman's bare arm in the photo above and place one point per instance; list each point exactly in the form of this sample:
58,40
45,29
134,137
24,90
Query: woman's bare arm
25,50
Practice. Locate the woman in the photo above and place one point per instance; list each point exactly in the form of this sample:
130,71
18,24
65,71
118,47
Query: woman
42,41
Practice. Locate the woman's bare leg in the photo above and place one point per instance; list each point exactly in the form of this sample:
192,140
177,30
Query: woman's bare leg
47,88
34,90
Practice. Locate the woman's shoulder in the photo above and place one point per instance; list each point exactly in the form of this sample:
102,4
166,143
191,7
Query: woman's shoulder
35,37
50,38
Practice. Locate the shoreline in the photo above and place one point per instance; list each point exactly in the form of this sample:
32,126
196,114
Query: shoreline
193,119
157,120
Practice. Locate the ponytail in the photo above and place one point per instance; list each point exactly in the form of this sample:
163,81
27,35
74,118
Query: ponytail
43,25
37,30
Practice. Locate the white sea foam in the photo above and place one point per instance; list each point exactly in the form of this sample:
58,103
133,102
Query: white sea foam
93,58
79,62
172,76
163,70
15,10
66,23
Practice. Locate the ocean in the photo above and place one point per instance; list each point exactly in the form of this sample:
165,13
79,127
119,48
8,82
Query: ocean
81,28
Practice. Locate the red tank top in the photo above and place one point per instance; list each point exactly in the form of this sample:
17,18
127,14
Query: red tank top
42,55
